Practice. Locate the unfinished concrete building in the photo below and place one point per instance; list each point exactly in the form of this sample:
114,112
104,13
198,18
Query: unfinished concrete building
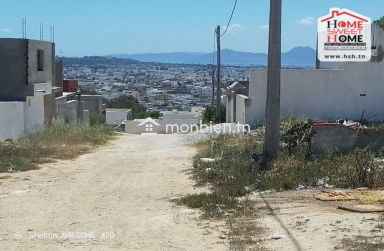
31,88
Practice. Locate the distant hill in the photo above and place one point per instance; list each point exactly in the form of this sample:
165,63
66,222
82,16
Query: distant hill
298,56
97,60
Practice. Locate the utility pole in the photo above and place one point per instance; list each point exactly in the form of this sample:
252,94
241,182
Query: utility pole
213,86
218,78
272,126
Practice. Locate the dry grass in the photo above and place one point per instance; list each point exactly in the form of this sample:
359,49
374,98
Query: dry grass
229,178
244,229
363,242
61,141
239,168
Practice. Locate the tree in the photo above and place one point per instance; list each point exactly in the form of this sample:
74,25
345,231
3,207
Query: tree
129,102
380,22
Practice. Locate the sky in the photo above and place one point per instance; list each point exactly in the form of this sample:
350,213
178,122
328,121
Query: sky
105,27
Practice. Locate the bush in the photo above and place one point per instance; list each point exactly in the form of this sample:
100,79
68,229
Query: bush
297,137
209,114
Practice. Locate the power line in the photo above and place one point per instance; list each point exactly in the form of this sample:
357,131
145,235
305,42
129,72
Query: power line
229,21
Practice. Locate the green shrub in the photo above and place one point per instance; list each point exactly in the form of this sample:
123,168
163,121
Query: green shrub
96,119
209,114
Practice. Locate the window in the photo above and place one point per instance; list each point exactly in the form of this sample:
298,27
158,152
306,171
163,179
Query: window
40,60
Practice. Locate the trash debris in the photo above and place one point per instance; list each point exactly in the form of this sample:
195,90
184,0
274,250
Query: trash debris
370,196
207,160
222,237
380,162
302,187
334,196
323,183
363,208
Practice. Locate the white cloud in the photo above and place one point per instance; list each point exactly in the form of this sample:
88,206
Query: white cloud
264,27
307,21
235,27
5,30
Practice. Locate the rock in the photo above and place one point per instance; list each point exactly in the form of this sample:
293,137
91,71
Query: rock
276,237
223,237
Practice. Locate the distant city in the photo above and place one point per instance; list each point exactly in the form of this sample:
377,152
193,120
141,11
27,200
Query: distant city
157,86
168,81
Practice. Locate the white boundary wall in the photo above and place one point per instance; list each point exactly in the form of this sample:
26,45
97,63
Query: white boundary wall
19,118
323,94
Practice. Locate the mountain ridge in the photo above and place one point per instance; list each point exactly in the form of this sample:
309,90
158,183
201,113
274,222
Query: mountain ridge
301,55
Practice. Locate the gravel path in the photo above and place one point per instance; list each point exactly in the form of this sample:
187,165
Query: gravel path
117,197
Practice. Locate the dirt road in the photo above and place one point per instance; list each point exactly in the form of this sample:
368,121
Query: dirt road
296,221
117,197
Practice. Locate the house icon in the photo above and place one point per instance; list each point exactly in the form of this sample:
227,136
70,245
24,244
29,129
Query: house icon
149,124
335,13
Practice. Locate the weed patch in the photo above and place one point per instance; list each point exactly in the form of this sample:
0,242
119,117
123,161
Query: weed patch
237,170
214,205
61,141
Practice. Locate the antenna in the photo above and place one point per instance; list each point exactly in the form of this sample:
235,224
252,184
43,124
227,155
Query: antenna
24,27
50,33
41,31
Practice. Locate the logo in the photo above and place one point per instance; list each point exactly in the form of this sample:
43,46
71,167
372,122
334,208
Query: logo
149,124
225,128
344,36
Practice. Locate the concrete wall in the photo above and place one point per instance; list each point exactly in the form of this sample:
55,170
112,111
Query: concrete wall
18,67
66,111
93,103
80,111
179,115
47,75
346,91
13,70
229,108
117,116
19,118
59,77
71,110
86,120
242,104
34,114
327,139
49,108
11,120
41,89
323,94
59,107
